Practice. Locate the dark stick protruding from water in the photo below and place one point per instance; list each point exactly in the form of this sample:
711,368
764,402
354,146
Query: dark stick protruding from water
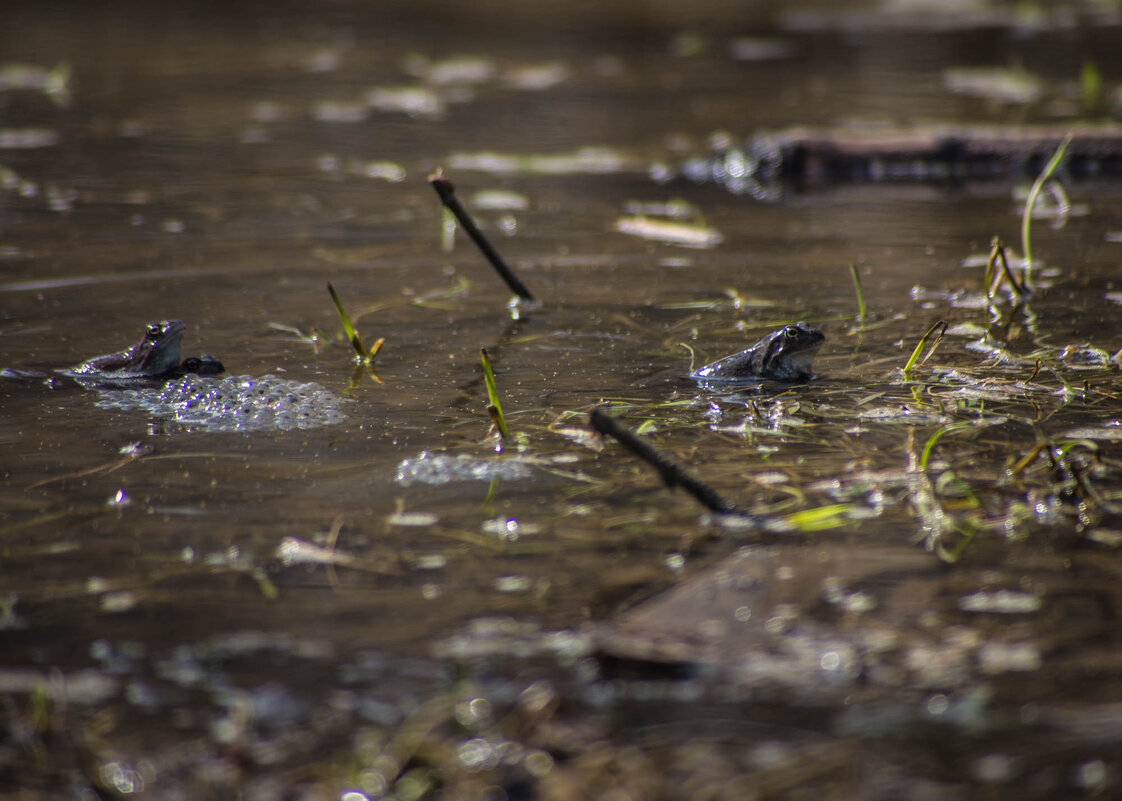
447,193
672,473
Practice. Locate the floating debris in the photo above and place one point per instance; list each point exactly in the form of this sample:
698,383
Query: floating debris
752,48
1003,657
676,209
27,138
295,551
339,111
509,529
1004,85
379,170
1110,432
1005,602
584,161
673,233
536,77
499,200
54,82
513,584
411,519
459,70
416,101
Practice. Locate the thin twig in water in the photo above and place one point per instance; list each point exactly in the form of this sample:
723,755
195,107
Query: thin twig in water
447,193
993,279
673,474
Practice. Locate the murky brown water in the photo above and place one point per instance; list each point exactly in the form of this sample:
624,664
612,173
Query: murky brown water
570,629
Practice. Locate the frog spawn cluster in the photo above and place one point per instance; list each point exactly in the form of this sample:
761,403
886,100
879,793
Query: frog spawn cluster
234,403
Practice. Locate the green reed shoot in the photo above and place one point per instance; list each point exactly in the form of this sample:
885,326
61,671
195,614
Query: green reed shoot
362,354
1030,203
494,406
860,295
915,360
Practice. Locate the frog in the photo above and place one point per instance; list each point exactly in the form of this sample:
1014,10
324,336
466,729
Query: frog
156,356
783,355
186,395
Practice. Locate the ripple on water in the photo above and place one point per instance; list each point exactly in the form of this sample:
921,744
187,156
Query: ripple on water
234,403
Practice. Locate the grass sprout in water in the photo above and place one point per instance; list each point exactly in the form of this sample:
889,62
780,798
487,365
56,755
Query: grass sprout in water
363,356
494,405
1030,203
860,294
914,360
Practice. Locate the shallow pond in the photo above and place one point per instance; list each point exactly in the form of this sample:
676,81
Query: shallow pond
924,600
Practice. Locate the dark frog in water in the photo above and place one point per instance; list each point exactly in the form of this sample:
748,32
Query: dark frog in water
783,355
156,356
152,377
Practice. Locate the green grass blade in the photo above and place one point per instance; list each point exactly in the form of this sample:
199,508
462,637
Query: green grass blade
821,518
1030,203
860,294
922,342
360,349
494,407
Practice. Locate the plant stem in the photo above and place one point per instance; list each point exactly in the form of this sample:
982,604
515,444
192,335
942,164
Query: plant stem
360,350
494,408
1030,203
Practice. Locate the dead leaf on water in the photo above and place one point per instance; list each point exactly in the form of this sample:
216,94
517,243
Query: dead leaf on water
673,233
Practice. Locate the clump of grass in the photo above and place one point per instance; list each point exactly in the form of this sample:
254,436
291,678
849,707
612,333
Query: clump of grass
494,405
447,193
362,355
1030,203
914,360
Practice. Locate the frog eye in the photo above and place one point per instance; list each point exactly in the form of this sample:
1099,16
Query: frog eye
791,332
155,330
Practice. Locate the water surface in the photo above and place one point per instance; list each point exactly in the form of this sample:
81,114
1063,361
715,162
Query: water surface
307,613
